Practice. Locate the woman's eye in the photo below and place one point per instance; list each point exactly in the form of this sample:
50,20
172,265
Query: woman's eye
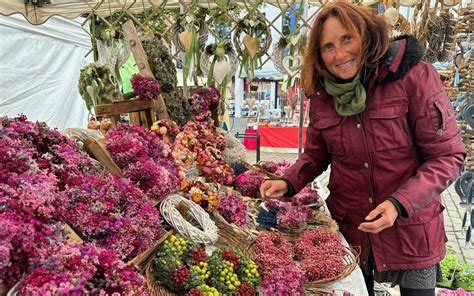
328,47
347,39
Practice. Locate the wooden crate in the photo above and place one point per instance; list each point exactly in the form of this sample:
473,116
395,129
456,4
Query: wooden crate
141,111
98,149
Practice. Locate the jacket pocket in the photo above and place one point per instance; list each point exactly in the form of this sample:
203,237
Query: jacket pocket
330,128
422,234
390,127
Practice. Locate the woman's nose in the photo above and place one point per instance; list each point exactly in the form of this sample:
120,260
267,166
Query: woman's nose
339,52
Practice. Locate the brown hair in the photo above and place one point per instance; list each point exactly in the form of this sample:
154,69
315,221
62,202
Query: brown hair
362,22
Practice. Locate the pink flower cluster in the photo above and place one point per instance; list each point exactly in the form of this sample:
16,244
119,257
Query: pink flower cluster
113,213
283,280
51,151
145,87
203,101
248,183
289,217
274,256
320,252
276,167
145,159
22,238
234,209
78,270
306,196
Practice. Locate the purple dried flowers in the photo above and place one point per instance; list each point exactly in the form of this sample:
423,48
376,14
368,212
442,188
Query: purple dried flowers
249,182
78,270
145,87
234,209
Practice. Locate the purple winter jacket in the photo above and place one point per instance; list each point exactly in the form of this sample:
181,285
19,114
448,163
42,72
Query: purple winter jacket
406,145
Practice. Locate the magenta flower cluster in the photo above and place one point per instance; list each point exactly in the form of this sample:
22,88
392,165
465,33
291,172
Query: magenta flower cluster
145,87
44,179
22,238
289,217
111,212
306,197
320,252
145,159
83,270
203,101
234,209
276,167
52,151
274,256
248,183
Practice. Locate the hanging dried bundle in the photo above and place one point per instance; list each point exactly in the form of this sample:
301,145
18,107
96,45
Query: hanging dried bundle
165,72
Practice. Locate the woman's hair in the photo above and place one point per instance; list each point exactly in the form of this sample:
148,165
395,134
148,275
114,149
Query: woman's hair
362,22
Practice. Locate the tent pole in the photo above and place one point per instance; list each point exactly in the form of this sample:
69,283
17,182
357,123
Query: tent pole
300,128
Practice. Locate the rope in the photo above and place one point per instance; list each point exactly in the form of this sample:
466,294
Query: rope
208,234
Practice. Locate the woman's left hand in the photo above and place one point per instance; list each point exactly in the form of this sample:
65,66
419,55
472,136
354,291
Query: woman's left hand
387,214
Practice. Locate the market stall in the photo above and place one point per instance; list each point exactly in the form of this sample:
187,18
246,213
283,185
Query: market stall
152,198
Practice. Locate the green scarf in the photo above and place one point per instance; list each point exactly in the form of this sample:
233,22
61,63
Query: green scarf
348,97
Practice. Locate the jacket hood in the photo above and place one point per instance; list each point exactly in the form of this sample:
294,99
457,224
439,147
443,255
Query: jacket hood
404,53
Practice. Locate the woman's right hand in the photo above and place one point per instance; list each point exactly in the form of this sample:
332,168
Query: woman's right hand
273,189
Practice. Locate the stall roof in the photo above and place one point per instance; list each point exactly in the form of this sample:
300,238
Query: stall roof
71,9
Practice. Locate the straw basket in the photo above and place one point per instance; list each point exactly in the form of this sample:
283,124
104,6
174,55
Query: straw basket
350,258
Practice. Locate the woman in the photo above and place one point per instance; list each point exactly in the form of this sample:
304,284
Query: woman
380,117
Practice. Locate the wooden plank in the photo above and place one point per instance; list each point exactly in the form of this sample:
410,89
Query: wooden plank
99,150
131,37
122,107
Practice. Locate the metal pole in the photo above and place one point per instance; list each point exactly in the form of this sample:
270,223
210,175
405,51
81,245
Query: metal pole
300,126
258,147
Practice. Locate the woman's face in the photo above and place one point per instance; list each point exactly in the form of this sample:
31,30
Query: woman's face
340,50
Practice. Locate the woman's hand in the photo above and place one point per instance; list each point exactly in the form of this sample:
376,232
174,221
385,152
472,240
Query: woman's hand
387,213
273,189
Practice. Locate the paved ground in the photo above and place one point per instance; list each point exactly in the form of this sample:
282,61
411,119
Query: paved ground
453,214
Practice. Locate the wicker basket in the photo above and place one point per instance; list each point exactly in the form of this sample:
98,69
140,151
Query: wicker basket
142,260
351,260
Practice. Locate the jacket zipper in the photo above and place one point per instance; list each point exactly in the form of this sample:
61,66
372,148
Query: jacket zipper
372,194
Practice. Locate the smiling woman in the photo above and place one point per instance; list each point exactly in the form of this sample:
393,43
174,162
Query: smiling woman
392,143
340,51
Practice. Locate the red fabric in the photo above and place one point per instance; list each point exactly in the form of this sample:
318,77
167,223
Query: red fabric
406,144
275,137
250,143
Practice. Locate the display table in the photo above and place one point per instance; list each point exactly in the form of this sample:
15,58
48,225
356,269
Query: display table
275,138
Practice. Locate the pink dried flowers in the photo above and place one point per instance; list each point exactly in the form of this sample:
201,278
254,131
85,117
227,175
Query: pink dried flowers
203,101
113,213
234,209
248,183
319,250
77,270
145,159
145,87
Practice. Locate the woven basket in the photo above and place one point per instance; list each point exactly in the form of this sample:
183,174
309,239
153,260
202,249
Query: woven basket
4,290
351,259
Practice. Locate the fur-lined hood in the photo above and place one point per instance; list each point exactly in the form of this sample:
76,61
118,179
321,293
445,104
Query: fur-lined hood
404,53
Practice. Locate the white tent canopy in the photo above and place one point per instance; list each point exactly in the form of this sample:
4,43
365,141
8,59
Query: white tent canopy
39,70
